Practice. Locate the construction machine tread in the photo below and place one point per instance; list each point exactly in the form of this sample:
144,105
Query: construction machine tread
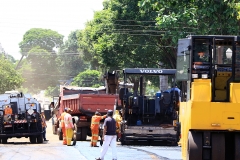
218,146
194,148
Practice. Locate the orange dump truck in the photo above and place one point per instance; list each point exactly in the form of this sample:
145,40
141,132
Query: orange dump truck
84,101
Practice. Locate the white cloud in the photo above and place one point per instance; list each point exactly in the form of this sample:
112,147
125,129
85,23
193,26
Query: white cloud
62,16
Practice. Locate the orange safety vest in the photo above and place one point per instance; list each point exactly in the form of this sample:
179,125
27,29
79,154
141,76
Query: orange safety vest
8,110
95,121
62,119
68,121
118,120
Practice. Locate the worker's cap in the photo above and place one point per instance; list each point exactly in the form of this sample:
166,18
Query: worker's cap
110,112
97,113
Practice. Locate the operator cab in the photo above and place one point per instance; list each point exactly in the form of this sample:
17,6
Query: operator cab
216,58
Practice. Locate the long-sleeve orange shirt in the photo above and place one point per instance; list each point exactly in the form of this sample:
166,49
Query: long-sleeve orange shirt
95,121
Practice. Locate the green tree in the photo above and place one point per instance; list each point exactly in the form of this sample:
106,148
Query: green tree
70,60
121,36
10,58
39,68
44,38
177,19
43,72
52,91
88,78
10,78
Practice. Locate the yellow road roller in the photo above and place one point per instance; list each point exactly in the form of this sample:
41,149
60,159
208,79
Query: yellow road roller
209,114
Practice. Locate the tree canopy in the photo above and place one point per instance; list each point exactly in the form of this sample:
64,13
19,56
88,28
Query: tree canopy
178,19
121,36
125,34
39,68
10,78
88,78
70,60
143,33
44,38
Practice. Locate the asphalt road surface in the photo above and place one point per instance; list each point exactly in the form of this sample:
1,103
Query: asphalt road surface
22,149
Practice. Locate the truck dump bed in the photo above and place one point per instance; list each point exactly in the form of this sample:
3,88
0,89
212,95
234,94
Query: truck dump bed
84,101
89,103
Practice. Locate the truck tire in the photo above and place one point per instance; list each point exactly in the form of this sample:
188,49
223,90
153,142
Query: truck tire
78,135
84,134
4,140
32,139
40,138
60,136
81,134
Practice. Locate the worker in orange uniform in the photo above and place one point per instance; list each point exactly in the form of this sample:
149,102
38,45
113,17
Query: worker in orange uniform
118,120
8,110
69,127
95,127
63,126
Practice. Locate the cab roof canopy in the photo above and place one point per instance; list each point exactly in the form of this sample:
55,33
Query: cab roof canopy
12,92
149,71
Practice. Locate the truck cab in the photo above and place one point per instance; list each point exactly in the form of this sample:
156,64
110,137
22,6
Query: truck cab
20,117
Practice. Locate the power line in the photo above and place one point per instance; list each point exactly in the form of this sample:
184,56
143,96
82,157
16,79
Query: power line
44,53
138,44
128,20
57,75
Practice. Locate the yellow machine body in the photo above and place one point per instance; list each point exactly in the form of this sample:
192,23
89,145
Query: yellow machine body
202,114
209,116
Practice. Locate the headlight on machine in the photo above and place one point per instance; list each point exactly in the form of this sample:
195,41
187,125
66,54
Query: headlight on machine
194,75
204,75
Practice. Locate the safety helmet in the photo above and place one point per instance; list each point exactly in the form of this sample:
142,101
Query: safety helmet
97,113
110,112
116,112
69,110
65,109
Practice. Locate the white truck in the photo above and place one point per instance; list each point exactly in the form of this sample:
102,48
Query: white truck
20,117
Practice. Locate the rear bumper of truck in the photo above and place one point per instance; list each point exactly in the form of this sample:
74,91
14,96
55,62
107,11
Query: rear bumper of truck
19,135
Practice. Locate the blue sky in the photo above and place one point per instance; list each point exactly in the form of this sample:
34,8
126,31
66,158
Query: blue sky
63,16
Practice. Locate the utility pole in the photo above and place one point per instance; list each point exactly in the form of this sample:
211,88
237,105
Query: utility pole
163,80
